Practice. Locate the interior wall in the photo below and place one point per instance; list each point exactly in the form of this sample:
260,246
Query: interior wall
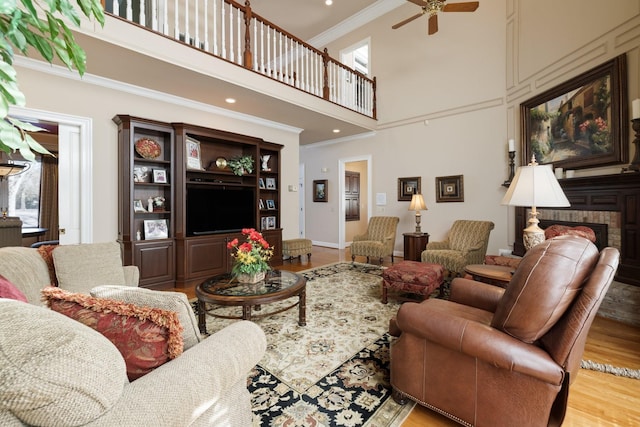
354,228
100,100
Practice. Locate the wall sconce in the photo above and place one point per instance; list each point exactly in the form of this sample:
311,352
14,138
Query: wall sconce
512,162
417,205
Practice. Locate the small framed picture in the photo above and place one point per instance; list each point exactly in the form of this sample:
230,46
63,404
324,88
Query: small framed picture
271,183
320,190
271,204
138,206
141,174
263,223
261,183
193,154
450,189
407,187
155,229
160,176
271,222
261,204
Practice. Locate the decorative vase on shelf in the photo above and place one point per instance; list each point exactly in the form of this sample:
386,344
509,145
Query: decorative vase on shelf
251,278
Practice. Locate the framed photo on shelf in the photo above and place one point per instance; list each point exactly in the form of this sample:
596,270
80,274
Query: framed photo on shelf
271,204
271,222
141,174
155,229
261,204
193,154
263,223
138,206
261,183
407,187
320,190
450,188
271,183
160,176
581,123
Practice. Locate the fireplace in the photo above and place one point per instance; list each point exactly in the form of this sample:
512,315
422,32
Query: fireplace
610,205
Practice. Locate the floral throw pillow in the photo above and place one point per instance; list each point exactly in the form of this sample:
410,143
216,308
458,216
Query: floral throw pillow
9,290
146,337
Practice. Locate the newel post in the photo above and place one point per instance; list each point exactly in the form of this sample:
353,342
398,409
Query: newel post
248,57
374,113
325,74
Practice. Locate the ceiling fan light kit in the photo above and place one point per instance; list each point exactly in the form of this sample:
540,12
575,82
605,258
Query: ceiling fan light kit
433,7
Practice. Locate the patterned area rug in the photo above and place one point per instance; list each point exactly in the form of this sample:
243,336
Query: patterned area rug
335,370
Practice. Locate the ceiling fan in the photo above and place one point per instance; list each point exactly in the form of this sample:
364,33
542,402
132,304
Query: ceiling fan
432,7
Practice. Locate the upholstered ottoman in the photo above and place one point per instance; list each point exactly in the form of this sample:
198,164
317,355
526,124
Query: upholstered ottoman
296,248
413,277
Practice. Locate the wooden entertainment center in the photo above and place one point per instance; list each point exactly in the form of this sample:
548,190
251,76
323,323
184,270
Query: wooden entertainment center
179,203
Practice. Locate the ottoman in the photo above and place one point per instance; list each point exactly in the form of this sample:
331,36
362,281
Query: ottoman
413,277
296,248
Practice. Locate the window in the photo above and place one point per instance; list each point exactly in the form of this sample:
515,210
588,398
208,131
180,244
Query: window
24,194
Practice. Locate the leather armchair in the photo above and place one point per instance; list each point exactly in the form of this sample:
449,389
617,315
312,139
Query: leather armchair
379,239
466,244
504,357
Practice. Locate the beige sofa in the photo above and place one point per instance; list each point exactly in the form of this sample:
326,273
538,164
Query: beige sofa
57,371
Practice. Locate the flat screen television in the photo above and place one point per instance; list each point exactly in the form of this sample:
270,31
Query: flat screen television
212,210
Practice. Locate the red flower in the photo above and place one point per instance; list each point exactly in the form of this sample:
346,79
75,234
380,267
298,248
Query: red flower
245,247
232,244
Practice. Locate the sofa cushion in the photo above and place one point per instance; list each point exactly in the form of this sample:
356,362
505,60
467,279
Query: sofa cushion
9,290
82,267
165,300
55,371
146,337
548,279
25,268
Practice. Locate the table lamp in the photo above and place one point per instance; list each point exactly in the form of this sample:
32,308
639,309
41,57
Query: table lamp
417,204
536,186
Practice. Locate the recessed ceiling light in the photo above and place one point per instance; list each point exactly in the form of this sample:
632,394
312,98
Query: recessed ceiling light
336,131
230,100
328,2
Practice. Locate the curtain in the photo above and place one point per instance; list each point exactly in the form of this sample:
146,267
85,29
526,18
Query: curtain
49,197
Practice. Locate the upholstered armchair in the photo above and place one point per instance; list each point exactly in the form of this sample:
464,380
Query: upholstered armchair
466,244
504,357
379,239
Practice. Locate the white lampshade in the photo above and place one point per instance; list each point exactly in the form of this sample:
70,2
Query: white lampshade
417,204
535,186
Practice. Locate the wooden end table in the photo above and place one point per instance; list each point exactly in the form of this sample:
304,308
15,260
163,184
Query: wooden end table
498,275
414,244
223,290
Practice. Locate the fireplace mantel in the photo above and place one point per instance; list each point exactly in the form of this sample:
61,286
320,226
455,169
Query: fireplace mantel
616,193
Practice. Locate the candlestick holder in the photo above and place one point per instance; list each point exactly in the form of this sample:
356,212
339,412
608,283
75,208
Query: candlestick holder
634,166
512,165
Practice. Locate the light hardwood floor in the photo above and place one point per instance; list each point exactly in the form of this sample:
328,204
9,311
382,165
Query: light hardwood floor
595,399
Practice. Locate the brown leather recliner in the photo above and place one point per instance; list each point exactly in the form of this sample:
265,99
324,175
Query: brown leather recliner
505,357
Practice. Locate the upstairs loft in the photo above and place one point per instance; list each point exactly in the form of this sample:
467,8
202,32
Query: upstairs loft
208,50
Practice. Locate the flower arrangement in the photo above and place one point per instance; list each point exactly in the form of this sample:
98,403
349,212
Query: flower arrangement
252,256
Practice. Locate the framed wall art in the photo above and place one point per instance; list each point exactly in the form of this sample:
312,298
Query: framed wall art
320,190
450,188
160,176
407,187
155,229
581,123
193,154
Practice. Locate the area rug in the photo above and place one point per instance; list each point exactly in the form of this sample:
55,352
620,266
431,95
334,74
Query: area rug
335,370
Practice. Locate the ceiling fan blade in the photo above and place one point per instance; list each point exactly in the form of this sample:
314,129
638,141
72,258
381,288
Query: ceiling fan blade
419,2
461,7
406,21
433,24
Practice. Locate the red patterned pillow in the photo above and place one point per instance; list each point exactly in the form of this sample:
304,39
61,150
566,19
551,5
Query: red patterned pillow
9,290
146,337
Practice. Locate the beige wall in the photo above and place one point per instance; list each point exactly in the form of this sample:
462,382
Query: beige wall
100,100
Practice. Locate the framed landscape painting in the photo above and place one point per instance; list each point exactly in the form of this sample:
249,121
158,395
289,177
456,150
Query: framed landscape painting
581,123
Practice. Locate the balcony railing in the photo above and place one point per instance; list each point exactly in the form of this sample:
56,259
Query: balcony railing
232,32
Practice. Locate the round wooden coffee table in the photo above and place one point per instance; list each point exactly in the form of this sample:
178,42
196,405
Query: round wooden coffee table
224,290
498,275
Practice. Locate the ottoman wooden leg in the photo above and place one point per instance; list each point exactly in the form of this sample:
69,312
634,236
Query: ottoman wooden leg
384,291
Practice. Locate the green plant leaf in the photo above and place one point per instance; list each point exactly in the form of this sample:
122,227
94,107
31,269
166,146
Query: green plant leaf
28,4
7,6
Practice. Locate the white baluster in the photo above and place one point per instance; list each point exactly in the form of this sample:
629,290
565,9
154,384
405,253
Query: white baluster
116,7
197,24
223,21
215,27
231,50
187,35
240,26
165,17
206,25
261,69
154,15
176,31
129,12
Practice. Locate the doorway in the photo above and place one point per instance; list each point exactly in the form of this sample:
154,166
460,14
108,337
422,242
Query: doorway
75,150
346,230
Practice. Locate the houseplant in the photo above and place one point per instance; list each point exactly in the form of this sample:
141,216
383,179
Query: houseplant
22,27
241,165
251,258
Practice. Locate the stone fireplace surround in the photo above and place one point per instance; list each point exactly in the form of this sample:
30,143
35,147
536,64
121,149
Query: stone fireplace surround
610,204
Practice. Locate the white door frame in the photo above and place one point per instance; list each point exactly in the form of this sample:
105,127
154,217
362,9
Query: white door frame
341,205
74,169
301,204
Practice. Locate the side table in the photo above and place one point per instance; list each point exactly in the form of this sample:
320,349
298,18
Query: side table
497,275
414,244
